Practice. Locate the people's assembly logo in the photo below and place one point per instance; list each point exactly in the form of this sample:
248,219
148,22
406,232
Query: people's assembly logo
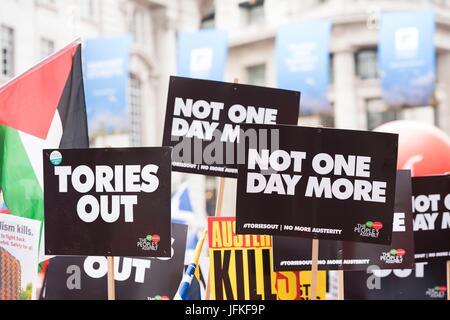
436,292
159,298
149,243
369,229
394,256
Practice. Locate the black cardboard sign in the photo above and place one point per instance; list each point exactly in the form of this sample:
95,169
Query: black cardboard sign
113,202
84,278
426,282
203,120
431,201
318,183
294,254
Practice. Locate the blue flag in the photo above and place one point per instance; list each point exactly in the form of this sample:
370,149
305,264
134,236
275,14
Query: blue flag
105,65
407,58
303,60
202,54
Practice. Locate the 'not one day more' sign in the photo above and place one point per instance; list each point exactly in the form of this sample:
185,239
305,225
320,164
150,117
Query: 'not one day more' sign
204,120
318,183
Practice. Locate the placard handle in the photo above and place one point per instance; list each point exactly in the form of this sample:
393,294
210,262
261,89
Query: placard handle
448,280
341,295
218,213
314,267
111,281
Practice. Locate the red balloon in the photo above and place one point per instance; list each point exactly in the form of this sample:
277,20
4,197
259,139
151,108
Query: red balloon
423,149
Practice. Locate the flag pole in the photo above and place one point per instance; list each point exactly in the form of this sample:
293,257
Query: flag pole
198,250
182,293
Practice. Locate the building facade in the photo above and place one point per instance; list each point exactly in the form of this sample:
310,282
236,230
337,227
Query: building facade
355,88
32,29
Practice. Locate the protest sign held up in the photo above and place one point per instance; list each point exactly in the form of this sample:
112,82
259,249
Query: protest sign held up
318,183
113,202
292,254
204,118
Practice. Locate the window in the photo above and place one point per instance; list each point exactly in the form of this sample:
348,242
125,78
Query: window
137,26
331,70
47,47
87,8
367,64
209,21
256,75
6,51
135,110
254,11
378,113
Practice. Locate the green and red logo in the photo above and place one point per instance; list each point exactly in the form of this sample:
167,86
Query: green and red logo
374,225
153,238
437,292
440,288
393,256
397,252
160,298
150,242
369,229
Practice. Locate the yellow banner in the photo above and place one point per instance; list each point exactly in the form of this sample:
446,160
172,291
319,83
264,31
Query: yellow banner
241,268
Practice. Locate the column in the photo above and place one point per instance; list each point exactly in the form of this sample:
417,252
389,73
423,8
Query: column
345,104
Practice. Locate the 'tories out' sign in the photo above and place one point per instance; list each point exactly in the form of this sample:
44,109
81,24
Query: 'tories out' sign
324,183
303,60
241,268
84,278
107,202
407,58
202,54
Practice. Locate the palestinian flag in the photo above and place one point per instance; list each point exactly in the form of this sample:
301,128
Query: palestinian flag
42,109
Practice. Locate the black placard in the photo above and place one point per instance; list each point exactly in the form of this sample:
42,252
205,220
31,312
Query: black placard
84,278
431,201
113,202
294,254
203,119
426,282
328,184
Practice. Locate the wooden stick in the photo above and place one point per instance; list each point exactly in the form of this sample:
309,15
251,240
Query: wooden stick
218,213
341,287
111,281
314,267
448,280
220,193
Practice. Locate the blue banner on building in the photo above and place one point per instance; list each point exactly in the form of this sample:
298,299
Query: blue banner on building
202,54
303,62
407,58
105,64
